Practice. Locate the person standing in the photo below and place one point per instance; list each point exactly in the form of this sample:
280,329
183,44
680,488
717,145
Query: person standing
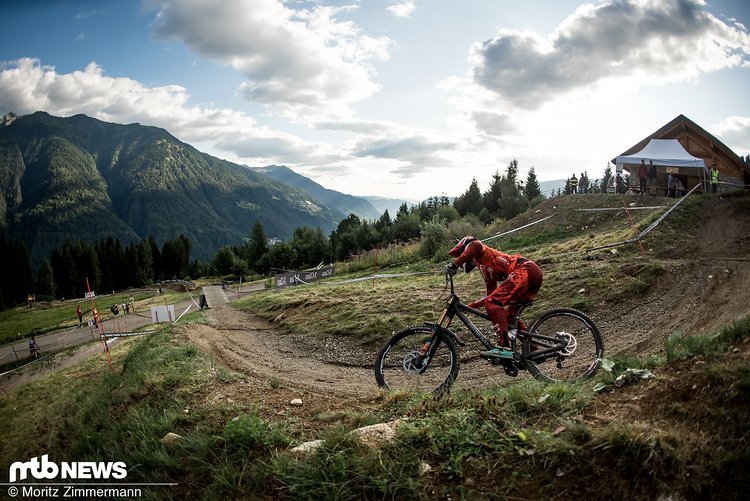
714,178
642,176
573,183
80,315
652,176
33,348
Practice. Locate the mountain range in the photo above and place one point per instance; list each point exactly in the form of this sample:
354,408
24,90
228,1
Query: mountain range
82,178
342,203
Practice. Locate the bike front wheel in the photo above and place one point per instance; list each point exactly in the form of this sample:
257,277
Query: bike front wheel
400,367
584,347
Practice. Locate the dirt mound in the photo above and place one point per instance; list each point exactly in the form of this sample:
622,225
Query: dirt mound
273,368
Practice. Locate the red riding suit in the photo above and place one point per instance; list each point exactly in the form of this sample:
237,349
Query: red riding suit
508,278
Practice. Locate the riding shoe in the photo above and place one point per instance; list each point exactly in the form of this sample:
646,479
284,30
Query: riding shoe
497,352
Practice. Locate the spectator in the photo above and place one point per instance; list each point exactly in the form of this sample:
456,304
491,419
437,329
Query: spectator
80,315
714,178
642,176
573,184
652,176
33,348
679,189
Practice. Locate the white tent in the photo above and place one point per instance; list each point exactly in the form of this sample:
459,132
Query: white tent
667,152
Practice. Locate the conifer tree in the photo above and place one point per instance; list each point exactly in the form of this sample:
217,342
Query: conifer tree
533,189
257,247
45,288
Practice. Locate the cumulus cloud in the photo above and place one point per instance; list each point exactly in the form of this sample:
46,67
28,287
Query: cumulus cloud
402,9
295,59
415,152
735,132
27,86
643,40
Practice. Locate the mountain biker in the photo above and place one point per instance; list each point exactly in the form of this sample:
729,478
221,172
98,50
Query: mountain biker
508,278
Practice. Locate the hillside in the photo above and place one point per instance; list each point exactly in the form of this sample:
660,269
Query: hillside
225,381
81,178
342,203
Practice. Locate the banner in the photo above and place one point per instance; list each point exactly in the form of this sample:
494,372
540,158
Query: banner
301,277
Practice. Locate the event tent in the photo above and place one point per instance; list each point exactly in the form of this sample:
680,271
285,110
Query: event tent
667,152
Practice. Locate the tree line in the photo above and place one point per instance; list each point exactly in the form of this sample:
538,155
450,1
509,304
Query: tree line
107,265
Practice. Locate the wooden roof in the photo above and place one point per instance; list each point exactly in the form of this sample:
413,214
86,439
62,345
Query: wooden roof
696,140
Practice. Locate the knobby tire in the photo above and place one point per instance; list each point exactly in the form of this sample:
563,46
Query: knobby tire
583,362
439,374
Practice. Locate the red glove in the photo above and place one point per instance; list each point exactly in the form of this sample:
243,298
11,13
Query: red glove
478,303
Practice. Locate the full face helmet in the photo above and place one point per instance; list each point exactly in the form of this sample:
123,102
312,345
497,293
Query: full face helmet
460,248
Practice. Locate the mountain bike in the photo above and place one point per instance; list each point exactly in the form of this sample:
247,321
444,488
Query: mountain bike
563,344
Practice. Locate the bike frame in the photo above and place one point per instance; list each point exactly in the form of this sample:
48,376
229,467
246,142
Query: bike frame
455,308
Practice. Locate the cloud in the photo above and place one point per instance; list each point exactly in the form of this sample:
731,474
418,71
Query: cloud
27,86
403,9
642,40
493,124
414,152
294,59
735,131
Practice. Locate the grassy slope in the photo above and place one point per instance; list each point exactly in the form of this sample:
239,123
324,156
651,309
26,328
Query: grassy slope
527,440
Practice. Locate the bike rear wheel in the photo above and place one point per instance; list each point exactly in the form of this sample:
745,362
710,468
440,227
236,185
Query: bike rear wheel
584,346
398,366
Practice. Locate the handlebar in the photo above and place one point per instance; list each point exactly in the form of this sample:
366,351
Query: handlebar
449,279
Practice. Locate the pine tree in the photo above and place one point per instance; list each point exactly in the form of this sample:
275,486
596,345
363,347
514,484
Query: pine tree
257,247
512,202
471,201
533,190
45,288
493,195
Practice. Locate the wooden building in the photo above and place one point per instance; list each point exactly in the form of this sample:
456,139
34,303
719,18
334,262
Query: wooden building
734,173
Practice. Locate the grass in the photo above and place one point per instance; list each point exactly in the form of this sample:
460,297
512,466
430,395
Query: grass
683,347
528,438
50,316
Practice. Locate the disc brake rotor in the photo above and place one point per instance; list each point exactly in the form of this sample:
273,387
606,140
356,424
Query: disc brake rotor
571,343
410,363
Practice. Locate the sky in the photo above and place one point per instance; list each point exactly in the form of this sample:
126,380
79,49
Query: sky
395,98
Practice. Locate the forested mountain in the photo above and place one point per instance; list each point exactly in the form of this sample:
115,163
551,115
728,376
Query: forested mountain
341,202
81,178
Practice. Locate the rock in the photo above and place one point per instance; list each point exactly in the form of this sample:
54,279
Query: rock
307,447
279,317
296,402
170,438
424,469
581,291
376,435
